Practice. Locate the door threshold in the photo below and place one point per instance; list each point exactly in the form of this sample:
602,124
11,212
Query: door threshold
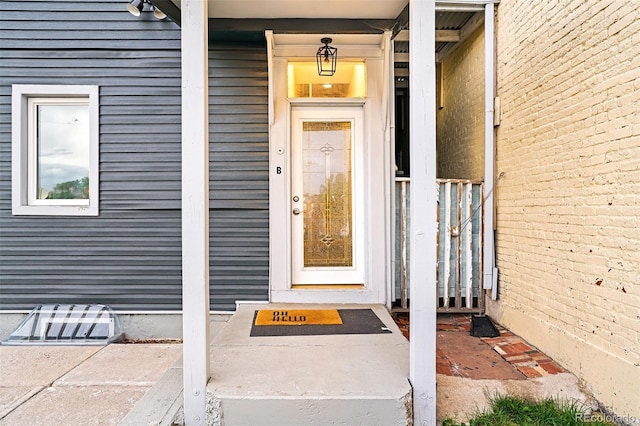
327,287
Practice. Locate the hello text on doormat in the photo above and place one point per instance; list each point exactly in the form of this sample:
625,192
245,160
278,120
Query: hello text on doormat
298,317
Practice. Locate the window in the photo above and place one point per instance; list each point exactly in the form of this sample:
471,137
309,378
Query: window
55,150
349,81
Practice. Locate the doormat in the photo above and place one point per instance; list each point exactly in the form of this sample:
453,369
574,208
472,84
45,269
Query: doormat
481,326
292,317
354,321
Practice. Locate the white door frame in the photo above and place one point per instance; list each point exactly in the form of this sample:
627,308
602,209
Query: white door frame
353,274
376,157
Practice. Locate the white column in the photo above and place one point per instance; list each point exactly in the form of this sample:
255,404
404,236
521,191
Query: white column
422,110
488,262
195,209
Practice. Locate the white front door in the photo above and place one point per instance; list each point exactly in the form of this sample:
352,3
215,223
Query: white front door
327,212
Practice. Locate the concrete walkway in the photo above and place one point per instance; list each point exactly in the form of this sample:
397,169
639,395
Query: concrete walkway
78,385
138,383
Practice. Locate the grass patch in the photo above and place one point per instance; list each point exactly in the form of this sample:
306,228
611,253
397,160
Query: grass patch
516,411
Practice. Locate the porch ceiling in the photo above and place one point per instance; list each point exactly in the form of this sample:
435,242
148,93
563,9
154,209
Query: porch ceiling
282,9
455,21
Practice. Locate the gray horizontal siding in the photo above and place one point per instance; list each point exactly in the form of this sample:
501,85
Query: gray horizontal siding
78,24
124,258
239,137
239,256
130,256
239,178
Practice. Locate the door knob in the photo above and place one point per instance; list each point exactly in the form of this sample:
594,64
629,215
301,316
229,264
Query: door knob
296,211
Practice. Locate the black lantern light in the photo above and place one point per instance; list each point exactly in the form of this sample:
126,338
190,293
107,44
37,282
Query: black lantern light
326,58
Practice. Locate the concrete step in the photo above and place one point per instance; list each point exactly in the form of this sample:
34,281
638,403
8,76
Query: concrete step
308,380
161,404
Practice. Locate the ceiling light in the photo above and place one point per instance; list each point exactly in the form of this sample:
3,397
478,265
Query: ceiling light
326,58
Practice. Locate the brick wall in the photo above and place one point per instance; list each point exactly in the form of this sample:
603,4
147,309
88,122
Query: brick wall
460,128
568,201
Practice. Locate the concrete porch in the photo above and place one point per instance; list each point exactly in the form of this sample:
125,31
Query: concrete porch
141,383
310,380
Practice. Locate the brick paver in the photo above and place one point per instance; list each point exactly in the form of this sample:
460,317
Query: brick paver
523,356
516,351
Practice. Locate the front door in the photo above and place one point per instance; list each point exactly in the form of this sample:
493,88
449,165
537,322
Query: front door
327,241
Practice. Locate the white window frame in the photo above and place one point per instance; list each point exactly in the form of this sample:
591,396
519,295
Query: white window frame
23,143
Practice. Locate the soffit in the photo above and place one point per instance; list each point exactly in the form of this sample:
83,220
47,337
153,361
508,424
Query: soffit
459,16
301,9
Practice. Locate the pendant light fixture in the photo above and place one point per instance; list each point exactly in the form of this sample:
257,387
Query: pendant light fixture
326,58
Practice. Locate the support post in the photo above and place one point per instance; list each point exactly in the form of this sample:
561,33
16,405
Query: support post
422,140
488,261
195,209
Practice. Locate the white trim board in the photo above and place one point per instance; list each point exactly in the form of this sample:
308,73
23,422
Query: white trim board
375,163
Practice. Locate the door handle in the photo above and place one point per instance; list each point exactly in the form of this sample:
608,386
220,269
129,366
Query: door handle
296,211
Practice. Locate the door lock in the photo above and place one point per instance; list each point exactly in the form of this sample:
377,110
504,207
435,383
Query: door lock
296,211
296,198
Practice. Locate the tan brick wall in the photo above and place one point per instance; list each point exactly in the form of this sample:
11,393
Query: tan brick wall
460,123
568,202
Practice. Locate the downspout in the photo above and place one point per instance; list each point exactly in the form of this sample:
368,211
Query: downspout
490,281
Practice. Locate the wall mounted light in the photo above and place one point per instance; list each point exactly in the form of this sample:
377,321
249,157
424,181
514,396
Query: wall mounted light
135,7
158,13
326,58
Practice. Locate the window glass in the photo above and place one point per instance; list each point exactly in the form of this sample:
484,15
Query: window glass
61,166
327,182
349,81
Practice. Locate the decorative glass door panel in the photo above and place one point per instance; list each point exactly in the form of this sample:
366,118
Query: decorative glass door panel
325,238
326,177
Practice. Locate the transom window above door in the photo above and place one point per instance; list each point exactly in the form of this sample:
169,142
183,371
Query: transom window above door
349,81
